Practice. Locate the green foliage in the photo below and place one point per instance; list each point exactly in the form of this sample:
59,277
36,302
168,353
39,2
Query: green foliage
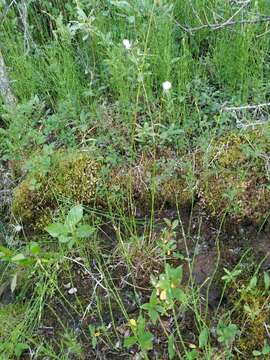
20,134
95,126
227,333
140,335
265,351
71,230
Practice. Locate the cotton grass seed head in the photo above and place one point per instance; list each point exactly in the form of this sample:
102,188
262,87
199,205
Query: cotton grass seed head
127,44
167,85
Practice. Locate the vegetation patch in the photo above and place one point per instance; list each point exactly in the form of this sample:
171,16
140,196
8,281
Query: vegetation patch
235,177
70,176
134,179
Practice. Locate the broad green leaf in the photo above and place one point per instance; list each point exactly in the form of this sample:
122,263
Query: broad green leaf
56,229
171,347
266,279
130,341
203,338
34,248
253,282
85,231
146,341
179,295
146,306
19,349
74,217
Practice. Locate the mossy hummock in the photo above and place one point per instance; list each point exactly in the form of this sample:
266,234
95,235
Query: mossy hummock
73,176
235,178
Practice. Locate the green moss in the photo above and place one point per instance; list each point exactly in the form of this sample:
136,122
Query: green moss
72,176
235,179
250,313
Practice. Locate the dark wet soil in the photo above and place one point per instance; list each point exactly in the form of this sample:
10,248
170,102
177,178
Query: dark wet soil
211,247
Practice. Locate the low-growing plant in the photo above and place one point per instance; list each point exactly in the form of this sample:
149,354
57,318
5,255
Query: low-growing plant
71,230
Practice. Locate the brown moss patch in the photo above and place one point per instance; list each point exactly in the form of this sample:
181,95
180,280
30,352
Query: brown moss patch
235,177
161,183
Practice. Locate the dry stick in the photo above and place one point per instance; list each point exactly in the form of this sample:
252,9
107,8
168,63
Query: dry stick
23,14
86,270
5,88
222,25
246,107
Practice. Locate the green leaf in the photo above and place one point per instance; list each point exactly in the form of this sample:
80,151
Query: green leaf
92,330
203,338
74,217
130,341
64,239
141,325
179,295
175,223
19,349
192,355
253,282
228,333
5,251
171,347
153,315
266,279
18,257
34,248
85,231
266,349
56,229
146,341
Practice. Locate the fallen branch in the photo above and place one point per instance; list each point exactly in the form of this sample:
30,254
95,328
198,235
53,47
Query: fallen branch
246,107
219,26
5,88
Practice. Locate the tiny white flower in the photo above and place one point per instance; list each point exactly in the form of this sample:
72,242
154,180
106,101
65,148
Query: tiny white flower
72,291
167,85
127,44
18,228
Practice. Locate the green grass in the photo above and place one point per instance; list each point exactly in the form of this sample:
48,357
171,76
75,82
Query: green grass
187,287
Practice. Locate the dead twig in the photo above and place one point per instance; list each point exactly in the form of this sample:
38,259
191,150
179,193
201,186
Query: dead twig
86,270
5,88
220,26
246,107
